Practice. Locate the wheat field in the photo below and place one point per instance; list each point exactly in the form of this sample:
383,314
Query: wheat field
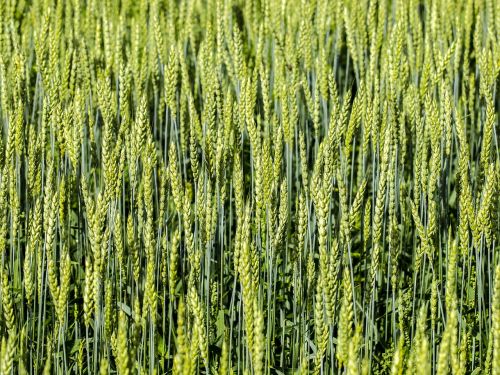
249,187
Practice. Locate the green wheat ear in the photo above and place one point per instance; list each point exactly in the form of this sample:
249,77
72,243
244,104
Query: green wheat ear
249,187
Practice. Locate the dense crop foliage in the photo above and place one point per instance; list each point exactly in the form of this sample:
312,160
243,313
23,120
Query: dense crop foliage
249,186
